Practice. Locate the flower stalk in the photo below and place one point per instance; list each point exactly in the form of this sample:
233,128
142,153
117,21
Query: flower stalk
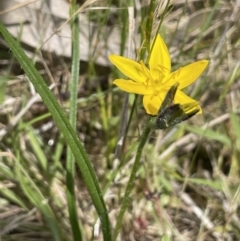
125,202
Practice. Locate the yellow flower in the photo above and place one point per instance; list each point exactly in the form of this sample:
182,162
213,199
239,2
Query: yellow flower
154,82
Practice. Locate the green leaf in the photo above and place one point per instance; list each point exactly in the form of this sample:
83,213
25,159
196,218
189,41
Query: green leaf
67,130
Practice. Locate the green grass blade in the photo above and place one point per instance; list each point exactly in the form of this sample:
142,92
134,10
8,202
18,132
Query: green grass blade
37,149
69,134
236,129
3,84
10,195
215,184
210,134
71,198
36,197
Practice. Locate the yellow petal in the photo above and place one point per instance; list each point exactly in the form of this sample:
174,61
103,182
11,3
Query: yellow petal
149,105
160,56
191,107
188,74
133,87
152,103
128,67
181,98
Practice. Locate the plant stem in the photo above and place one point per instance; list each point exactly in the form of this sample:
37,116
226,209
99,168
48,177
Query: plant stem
125,202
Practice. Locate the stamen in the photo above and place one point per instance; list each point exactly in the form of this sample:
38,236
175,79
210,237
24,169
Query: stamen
176,73
163,69
146,71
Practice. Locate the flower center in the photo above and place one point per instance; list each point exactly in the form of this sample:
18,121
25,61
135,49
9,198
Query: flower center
155,77
158,76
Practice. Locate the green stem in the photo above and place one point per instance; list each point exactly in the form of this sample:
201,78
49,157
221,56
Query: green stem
147,130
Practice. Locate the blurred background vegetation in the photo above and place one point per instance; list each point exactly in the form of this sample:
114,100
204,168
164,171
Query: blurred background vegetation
187,187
